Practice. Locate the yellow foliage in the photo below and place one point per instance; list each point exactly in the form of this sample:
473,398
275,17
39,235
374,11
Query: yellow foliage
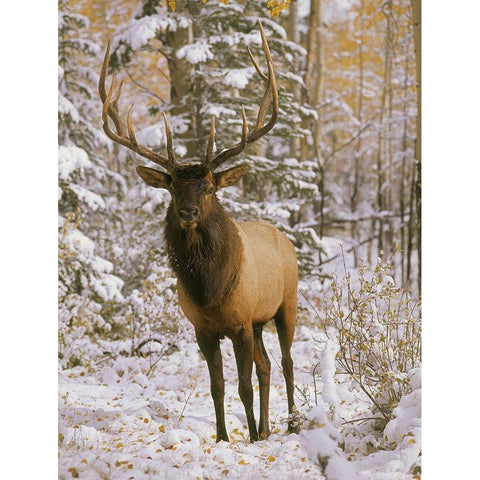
275,7
74,472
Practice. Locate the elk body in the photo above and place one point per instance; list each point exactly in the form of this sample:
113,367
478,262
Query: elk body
232,277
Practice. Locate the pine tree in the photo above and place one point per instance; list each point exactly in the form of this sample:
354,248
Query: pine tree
86,280
205,51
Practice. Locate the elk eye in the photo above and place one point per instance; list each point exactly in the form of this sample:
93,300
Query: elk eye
210,191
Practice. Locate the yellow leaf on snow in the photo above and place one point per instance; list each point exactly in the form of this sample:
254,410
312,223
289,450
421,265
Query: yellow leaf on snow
74,472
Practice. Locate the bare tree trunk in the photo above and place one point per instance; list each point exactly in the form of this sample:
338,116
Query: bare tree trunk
317,98
181,75
319,85
358,148
309,71
315,89
293,35
383,138
411,216
403,173
389,202
417,22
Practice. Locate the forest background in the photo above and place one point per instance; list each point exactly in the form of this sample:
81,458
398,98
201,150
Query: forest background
34,213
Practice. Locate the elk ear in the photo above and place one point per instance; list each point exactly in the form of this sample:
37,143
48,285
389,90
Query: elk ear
232,175
155,178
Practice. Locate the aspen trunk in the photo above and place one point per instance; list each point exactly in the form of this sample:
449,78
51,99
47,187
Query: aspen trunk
358,148
315,88
309,71
417,22
293,34
383,147
403,173
317,98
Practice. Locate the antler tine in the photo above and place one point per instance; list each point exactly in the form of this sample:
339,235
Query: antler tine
107,111
271,88
131,130
255,64
168,135
262,111
270,96
211,144
110,110
236,149
103,74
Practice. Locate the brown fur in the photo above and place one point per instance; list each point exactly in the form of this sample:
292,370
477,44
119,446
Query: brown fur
232,279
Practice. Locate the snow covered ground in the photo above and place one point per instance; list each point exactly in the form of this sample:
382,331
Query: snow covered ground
117,423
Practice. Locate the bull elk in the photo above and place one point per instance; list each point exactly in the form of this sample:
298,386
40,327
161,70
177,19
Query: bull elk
232,277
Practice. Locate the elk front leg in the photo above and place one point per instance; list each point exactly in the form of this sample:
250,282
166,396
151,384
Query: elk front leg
213,355
243,347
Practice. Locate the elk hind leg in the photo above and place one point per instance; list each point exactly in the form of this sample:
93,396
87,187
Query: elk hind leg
285,322
262,363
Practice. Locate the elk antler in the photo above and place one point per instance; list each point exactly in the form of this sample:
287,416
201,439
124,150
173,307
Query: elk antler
110,109
271,94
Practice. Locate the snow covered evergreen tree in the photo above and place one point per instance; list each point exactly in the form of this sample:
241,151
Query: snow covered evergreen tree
86,280
203,49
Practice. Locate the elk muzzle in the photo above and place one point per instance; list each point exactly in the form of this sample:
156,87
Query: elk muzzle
188,217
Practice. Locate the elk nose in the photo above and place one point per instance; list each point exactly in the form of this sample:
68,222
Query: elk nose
188,214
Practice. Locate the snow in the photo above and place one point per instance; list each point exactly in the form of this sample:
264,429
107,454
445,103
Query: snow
108,287
75,240
121,420
93,200
140,31
71,158
66,107
238,77
197,52
218,110
320,441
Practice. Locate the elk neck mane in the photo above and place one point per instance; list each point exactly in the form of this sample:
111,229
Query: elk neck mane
207,259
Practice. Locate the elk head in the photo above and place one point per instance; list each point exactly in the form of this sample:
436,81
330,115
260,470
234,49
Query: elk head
192,187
